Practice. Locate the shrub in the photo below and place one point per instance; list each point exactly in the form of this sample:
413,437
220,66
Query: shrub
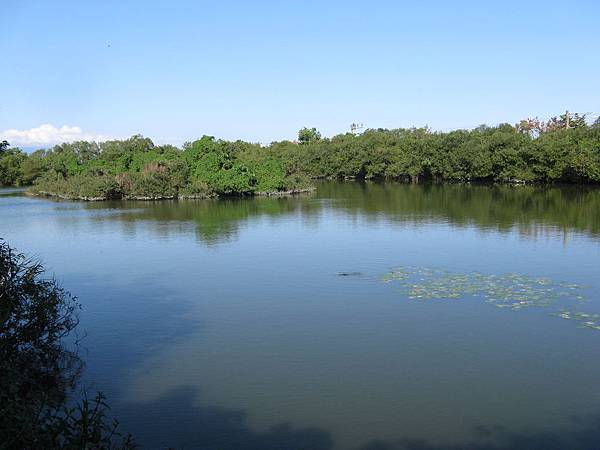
37,370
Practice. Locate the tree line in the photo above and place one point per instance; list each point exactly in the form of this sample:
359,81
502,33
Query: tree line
563,149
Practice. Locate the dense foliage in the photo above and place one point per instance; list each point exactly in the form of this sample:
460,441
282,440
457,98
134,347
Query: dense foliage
136,168
559,150
37,369
486,154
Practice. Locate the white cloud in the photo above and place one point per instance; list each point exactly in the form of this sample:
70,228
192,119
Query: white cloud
48,134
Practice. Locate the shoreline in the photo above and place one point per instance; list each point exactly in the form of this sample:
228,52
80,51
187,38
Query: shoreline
290,192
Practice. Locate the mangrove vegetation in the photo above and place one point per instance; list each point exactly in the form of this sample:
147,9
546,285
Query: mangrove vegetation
564,149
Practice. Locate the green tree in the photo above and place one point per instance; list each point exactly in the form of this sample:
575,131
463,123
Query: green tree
3,147
10,166
308,135
34,166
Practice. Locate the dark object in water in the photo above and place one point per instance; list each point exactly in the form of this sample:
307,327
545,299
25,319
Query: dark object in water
349,274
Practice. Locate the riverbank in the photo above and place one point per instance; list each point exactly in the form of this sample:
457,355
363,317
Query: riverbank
33,191
289,192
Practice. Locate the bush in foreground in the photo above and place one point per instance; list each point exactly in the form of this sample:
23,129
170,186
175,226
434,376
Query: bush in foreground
37,369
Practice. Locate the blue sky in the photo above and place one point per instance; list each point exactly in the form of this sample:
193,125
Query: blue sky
259,71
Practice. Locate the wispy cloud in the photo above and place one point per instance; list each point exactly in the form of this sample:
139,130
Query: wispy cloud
48,134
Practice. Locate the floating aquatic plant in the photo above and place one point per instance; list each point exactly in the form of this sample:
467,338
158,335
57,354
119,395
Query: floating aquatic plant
513,291
588,320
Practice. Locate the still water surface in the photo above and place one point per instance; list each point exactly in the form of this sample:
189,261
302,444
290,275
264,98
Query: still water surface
266,323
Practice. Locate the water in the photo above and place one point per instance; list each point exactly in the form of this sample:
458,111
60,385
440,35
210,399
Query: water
265,323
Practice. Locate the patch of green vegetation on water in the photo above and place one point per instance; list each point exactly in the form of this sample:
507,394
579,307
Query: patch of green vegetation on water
510,291
587,320
514,291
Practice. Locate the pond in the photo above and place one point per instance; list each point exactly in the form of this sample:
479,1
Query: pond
361,316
